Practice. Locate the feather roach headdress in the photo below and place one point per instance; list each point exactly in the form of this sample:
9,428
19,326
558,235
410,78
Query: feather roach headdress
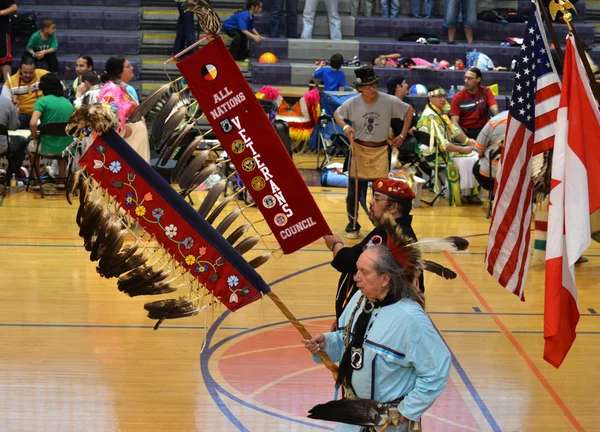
408,253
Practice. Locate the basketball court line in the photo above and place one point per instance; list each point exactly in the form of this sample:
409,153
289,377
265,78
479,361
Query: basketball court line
215,388
515,344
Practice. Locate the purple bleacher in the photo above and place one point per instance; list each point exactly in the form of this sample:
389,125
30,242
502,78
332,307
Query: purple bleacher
122,20
123,3
500,55
89,43
373,27
524,6
86,19
445,78
53,2
279,47
121,43
272,74
60,16
27,2
399,27
261,23
85,2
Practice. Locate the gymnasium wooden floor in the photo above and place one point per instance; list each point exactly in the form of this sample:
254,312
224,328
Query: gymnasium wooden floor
78,355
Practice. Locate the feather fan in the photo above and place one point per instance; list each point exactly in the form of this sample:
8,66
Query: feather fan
219,209
439,270
227,221
361,412
149,102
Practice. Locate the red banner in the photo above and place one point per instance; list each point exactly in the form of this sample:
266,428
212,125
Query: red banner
254,147
188,238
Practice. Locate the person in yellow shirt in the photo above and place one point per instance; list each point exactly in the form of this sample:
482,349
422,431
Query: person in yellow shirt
23,90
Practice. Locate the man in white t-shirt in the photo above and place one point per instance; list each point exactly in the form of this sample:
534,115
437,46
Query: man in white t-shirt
370,114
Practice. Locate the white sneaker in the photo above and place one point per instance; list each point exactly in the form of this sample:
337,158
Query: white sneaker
353,235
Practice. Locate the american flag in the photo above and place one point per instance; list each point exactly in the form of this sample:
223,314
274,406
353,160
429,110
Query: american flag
530,130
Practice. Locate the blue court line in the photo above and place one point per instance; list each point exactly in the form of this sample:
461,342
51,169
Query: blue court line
469,385
214,388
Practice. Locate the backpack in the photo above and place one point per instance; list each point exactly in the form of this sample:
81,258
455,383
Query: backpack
23,24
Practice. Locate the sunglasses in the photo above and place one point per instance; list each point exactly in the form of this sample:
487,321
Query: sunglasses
372,85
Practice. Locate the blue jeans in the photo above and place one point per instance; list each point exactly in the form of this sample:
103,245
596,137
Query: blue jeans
385,8
291,15
308,19
469,13
186,32
415,8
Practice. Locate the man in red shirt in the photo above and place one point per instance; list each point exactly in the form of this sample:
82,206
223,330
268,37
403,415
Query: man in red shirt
471,106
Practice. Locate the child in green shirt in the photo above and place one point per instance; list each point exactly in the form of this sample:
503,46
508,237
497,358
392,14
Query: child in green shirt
42,45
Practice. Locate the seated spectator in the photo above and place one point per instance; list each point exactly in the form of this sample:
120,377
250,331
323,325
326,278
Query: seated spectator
23,89
386,60
16,144
469,14
452,148
82,64
119,72
489,145
239,27
471,106
88,91
42,45
333,16
332,76
51,108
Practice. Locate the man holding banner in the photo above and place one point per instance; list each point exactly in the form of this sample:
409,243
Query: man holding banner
370,114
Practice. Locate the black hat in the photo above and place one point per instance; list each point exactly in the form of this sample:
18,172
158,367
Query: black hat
365,75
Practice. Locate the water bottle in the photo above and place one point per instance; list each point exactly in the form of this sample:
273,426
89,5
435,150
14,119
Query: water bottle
13,184
452,91
435,63
472,58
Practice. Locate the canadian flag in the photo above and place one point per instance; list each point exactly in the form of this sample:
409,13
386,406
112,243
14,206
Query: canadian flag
574,195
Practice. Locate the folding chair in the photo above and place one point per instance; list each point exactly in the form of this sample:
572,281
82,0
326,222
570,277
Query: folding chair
423,138
5,155
50,129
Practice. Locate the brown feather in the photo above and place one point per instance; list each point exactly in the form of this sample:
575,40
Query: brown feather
259,260
170,308
149,102
158,124
198,179
105,238
195,165
183,159
113,247
219,209
211,198
227,221
105,266
72,184
172,124
126,265
180,141
247,244
238,233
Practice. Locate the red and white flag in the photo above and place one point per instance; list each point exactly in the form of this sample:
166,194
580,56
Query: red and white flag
574,195
530,130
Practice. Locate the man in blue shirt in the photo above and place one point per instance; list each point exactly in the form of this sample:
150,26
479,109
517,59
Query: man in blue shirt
333,78
240,27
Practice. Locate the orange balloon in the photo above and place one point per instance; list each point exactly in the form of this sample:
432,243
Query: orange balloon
268,58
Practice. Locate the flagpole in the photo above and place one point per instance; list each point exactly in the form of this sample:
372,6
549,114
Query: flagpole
553,36
567,17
